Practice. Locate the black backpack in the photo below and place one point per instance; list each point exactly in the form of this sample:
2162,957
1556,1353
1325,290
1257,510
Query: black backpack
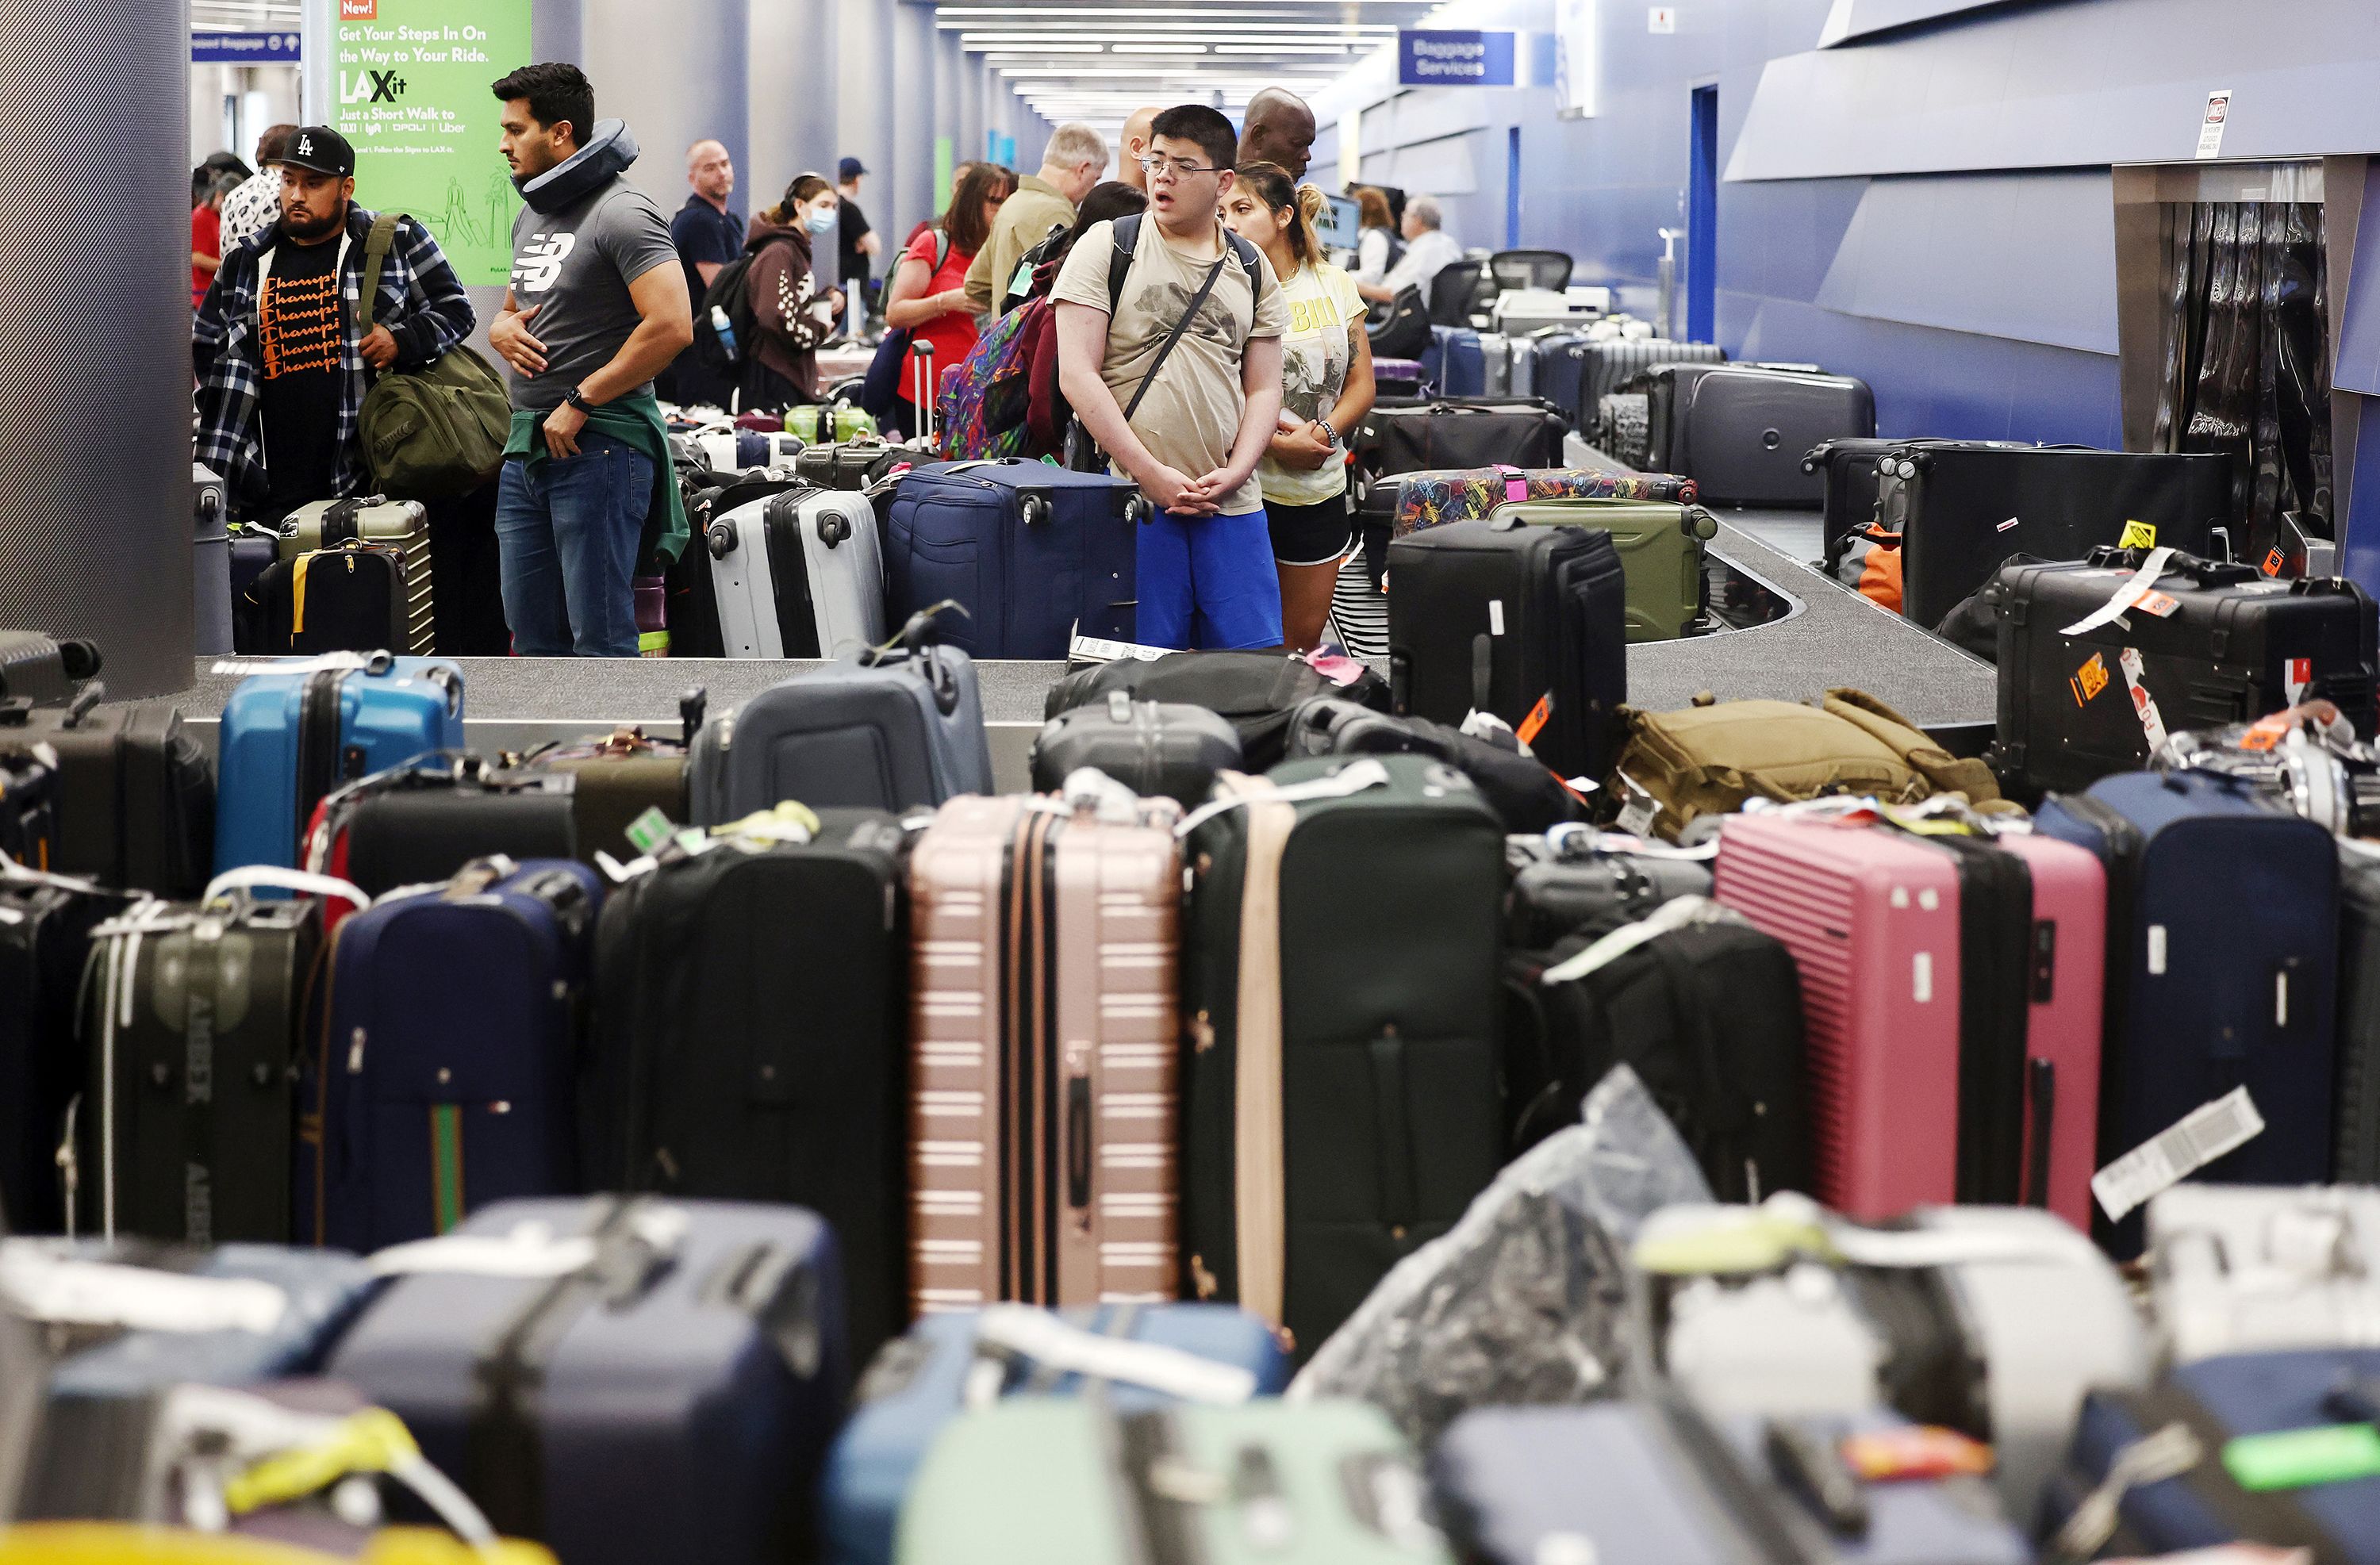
1404,332
729,291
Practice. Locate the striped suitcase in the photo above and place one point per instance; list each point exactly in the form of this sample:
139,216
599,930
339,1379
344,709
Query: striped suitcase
1042,1125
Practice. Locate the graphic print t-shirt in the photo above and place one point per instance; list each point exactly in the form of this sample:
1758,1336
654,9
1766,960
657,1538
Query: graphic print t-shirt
301,345
575,267
1191,414
1315,355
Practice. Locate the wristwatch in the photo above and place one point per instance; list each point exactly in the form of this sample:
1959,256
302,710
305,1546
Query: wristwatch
577,399
1324,425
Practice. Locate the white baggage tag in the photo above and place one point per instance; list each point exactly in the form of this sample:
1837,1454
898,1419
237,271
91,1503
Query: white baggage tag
1099,649
1676,914
246,666
51,1287
2165,1160
2129,592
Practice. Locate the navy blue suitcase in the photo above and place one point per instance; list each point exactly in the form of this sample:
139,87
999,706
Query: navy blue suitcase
669,1396
919,1383
1655,1481
2217,1400
428,1099
287,739
1036,555
1454,362
2222,968
1556,366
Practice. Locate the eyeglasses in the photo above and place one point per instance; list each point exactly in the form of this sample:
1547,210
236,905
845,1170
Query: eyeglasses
1156,164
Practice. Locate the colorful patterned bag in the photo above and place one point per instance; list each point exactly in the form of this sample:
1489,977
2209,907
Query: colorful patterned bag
982,404
1430,500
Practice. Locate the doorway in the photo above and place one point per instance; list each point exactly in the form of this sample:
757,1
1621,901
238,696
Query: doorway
1702,219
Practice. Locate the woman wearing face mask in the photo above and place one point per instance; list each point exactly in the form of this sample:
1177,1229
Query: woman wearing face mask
793,315
1326,390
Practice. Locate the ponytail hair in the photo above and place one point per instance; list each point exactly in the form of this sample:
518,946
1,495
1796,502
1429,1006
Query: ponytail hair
805,187
1280,194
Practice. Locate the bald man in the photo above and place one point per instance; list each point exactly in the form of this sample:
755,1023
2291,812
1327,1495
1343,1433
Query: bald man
708,237
1134,142
1280,129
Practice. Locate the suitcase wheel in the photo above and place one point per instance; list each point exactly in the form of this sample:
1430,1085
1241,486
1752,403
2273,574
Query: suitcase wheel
721,537
832,530
1035,510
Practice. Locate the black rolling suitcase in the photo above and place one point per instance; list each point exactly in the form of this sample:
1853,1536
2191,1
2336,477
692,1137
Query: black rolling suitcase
45,927
1571,876
1740,432
1342,1095
416,826
135,796
1963,508
750,1040
41,671
2357,1152
1154,748
2215,644
1527,623
185,1127
1586,370
1518,431
29,811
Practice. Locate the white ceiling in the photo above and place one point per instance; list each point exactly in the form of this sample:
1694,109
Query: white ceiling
244,15
1098,60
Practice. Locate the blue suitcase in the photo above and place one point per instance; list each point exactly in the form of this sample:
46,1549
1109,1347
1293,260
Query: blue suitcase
669,1397
2217,1400
286,739
2222,968
919,1383
1557,369
428,1100
1036,555
1454,362
1654,1481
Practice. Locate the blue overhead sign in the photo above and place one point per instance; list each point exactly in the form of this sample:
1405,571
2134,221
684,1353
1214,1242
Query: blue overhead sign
243,48
1434,57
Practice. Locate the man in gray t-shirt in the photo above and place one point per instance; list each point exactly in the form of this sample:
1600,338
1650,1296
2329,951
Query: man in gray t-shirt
596,309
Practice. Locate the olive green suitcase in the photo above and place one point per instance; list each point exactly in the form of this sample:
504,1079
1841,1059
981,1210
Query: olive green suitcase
399,524
1660,549
1041,1481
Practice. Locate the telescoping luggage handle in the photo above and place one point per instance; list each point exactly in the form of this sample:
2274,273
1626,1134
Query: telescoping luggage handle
1009,1334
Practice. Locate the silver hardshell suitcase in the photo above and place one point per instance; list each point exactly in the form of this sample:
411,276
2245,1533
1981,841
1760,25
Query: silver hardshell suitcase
798,575
1496,354
2241,1269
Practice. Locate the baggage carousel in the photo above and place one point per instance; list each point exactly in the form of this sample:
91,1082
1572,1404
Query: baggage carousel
1827,636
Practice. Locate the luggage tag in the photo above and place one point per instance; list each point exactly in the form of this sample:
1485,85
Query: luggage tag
2128,594
1355,778
2165,1160
1715,1241
2298,1458
1916,1453
58,1290
1678,914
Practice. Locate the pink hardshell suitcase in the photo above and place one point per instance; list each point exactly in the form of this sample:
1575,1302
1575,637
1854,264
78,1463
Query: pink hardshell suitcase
1872,919
2070,912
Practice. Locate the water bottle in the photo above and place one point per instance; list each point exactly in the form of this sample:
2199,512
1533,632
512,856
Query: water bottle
724,329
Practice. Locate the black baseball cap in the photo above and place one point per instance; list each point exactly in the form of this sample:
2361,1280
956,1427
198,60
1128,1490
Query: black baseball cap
320,148
851,169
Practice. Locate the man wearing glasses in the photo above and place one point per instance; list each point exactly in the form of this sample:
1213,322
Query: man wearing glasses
1176,375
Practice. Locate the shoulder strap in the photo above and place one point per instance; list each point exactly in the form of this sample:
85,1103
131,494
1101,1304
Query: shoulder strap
941,251
1126,232
1189,312
377,245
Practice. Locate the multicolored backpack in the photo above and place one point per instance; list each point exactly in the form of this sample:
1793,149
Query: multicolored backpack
982,406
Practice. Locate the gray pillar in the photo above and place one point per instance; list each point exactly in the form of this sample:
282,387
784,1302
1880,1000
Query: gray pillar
794,70
913,143
675,81
557,30
950,69
95,332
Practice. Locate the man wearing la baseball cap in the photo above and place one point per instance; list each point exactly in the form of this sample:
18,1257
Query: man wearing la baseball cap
280,404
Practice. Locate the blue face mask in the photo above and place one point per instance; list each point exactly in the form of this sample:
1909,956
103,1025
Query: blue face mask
821,220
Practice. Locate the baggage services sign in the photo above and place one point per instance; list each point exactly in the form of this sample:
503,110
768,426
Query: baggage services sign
1435,57
409,92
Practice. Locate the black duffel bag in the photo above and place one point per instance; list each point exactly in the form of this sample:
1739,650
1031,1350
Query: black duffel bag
1409,435
1403,331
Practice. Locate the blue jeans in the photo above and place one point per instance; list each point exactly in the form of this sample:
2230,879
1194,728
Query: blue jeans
1208,582
568,531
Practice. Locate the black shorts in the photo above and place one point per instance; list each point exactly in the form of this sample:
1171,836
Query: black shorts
1310,535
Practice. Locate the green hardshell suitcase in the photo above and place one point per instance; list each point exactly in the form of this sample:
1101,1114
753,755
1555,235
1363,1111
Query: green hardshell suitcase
401,526
1040,1481
821,424
1660,549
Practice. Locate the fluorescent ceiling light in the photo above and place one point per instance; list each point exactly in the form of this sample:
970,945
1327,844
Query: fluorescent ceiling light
1340,49
1158,49
970,13
995,57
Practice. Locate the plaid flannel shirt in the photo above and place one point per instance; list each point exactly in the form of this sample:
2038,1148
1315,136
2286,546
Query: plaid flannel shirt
421,302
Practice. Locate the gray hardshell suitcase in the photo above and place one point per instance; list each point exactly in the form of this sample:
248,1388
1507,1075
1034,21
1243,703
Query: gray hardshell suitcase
1740,432
2256,1268
1496,355
399,524
1154,748
1609,362
2357,1150
798,575
1653,1481
890,727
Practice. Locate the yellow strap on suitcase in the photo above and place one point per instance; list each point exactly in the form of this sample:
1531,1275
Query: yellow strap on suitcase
107,1543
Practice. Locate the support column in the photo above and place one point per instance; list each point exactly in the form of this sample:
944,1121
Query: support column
794,70
95,333
674,83
911,176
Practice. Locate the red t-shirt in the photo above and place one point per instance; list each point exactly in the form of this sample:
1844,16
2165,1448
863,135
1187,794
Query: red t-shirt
952,335
206,239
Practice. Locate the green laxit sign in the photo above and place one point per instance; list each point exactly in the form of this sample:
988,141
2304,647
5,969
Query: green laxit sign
409,88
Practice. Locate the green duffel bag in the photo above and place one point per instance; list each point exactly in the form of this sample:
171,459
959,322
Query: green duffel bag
434,432
821,424
1069,1481
1660,549
1711,758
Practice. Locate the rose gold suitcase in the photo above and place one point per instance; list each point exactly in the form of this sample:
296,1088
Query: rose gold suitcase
1042,1118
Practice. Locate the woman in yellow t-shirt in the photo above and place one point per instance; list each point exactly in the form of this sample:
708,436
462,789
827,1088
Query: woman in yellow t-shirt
1325,391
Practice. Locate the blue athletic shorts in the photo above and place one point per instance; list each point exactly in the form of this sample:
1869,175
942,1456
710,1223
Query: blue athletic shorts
1208,582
